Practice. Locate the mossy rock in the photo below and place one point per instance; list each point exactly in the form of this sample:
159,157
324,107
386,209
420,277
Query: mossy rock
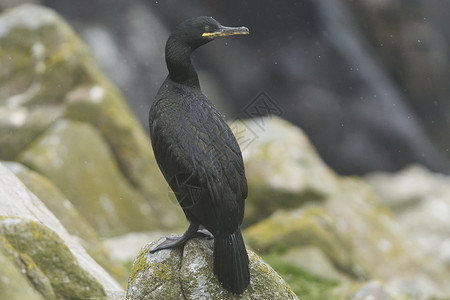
48,74
54,259
45,250
20,278
78,161
72,220
301,227
188,274
359,236
304,284
103,107
41,56
282,167
20,126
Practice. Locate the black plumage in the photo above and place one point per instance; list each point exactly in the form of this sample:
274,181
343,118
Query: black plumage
199,155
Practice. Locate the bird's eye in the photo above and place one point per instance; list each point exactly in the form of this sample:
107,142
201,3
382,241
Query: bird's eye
206,28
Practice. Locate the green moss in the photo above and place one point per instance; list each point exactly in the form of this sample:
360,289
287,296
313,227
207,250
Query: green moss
303,284
34,274
52,257
72,220
14,285
139,266
310,226
162,271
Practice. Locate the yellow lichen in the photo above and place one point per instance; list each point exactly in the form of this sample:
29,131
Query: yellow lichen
138,267
161,271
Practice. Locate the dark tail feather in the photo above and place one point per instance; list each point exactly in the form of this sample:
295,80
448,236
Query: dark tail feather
231,262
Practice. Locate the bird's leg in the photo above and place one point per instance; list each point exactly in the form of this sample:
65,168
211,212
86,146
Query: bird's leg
173,242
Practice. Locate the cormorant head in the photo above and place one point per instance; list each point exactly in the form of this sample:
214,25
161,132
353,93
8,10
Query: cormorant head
201,30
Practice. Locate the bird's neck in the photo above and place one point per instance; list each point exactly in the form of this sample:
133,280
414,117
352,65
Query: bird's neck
178,60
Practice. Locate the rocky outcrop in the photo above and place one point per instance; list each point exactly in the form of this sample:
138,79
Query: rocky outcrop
61,117
353,235
69,217
188,274
282,167
420,201
86,167
72,154
35,243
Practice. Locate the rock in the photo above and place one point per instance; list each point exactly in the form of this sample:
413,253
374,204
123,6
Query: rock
282,168
355,237
123,248
349,225
52,259
313,260
421,203
38,51
47,76
375,290
20,126
14,284
301,227
188,274
69,217
104,108
76,158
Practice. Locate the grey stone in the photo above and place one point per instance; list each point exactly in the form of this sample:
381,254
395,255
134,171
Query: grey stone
188,274
34,231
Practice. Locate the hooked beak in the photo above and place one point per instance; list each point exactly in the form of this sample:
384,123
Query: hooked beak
226,31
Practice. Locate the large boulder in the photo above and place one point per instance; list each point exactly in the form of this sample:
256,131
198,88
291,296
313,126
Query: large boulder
76,158
341,220
55,263
282,168
69,217
188,274
50,85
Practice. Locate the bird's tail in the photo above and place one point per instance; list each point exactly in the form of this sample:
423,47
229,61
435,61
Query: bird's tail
231,262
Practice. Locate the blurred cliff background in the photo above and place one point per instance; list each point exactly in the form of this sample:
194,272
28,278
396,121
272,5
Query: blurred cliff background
366,80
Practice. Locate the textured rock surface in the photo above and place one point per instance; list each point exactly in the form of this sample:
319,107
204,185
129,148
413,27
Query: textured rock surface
188,274
349,225
420,201
14,283
282,168
48,252
53,260
332,239
75,157
361,240
69,217
48,78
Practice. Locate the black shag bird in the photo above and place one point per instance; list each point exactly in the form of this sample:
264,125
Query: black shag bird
199,155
